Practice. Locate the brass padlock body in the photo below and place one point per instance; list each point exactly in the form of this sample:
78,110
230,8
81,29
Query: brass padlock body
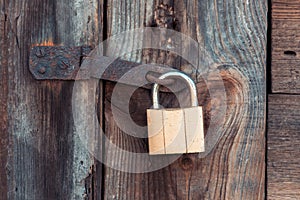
175,131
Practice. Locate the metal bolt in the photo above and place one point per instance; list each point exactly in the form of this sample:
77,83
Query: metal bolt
42,70
40,53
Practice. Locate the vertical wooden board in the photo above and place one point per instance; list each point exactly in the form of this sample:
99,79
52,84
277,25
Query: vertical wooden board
97,177
47,160
122,16
156,132
285,46
283,147
233,32
127,15
3,106
194,129
285,25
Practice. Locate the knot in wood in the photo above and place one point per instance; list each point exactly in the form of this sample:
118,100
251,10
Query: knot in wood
186,163
164,16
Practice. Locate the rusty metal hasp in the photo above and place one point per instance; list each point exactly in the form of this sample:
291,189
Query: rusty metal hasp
64,63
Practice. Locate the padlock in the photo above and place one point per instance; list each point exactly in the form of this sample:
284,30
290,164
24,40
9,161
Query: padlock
175,130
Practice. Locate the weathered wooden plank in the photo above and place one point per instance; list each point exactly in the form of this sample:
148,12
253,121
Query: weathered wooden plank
232,32
122,16
97,179
46,157
285,46
3,106
283,147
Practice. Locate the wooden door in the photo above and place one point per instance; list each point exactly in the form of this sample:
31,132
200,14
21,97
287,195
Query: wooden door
41,154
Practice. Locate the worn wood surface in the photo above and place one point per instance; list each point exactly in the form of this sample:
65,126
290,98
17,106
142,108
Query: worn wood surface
283,111
233,32
42,156
46,159
283,147
285,46
4,146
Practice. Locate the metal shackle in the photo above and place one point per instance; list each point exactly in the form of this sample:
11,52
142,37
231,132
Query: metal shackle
189,81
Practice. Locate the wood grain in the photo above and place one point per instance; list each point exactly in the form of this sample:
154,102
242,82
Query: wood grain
233,32
46,159
3,107
285,46
283,147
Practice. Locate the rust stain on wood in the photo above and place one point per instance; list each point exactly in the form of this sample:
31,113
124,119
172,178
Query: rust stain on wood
48,42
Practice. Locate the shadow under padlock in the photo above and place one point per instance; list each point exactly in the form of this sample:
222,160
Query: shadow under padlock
175,130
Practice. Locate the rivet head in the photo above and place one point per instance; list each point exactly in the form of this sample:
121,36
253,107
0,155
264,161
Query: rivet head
39,53
42,70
